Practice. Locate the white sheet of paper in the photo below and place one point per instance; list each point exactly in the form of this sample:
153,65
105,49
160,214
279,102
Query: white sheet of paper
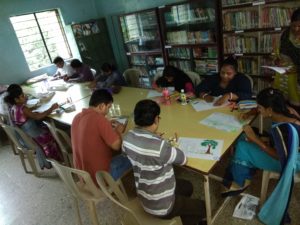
122,120
222,121
277,69
44,107
201,105
201,148
246,207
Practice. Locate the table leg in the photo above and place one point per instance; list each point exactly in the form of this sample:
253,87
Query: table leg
207,200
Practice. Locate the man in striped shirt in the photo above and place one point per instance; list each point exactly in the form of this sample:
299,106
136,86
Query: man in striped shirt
152,157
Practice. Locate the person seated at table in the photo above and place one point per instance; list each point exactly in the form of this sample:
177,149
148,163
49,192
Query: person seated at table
174,77
152,157
82,72
30,122
232,85
63,68
94,138
252,152
110,78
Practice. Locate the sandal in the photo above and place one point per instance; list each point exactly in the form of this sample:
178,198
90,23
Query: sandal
233,192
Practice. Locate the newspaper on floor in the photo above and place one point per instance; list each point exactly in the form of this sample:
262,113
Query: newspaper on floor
246,208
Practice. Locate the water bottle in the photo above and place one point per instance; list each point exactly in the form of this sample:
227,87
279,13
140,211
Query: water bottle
166,96
182,97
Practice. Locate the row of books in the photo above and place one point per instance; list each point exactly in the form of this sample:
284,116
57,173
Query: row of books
235,2
270,43
146,60
184,14
248,66
276,16
206,67
182,53
148,19
240,44
240,20
183,65
205,52
186,37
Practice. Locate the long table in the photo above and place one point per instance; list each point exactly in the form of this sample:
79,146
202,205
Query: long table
183,120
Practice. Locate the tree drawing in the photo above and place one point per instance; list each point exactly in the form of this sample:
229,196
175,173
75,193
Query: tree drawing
211,144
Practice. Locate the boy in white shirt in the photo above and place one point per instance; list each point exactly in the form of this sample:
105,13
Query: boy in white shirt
63,68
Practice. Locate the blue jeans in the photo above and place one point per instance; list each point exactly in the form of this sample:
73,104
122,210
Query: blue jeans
118,166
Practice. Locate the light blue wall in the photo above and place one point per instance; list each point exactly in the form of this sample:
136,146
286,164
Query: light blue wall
13,65
112,9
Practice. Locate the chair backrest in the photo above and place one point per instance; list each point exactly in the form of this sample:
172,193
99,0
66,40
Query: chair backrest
78,182
20,139
250,79
194,77
63,140
94,72
132,77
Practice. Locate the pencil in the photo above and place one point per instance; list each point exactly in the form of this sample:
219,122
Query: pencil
176,136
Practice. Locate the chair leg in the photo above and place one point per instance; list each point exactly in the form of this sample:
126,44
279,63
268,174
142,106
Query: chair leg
13,147
21,154
264,186
30,157
93,212
79,221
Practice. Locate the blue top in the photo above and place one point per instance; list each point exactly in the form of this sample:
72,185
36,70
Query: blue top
240,85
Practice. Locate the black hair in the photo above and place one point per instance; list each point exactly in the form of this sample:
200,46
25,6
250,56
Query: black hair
106,67
58,59
100,96
13,92
75,63
145,112
180,77
296,15
273,98
231,61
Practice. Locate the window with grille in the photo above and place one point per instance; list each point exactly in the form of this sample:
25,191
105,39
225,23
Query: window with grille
41,37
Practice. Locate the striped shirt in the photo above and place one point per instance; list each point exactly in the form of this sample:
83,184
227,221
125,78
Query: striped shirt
152,158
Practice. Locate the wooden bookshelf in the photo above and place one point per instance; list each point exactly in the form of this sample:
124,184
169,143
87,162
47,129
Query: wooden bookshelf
190,35
142,42
251,30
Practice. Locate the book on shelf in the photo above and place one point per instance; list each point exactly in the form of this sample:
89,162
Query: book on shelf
205,52
182,53
270,42
240,44
186,37
248,65
275,16
240,20
235,2
183,65
206,67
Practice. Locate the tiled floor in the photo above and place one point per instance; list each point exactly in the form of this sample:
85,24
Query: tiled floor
27,200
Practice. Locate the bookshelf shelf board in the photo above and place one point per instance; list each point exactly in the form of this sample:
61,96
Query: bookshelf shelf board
249,54
266,29
191,22
138,64
178,58
137,40
205,58
158,52
209,44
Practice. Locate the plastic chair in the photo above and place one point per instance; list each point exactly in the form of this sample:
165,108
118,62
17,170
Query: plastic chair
64,142
94,72
81,186
132,77
134,213
15,134
194,77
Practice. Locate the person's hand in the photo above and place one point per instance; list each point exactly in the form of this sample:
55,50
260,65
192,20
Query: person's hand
66,78
222,100
249,132
208,98
54,106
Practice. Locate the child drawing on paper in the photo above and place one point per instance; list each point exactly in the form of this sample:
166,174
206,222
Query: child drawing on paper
211,145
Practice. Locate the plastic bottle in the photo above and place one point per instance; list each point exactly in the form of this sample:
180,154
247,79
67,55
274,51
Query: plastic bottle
182,97
166,96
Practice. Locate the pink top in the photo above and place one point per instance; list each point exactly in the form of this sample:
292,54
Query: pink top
17,115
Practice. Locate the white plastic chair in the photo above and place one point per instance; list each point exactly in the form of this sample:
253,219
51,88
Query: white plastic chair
64,142
194,77
81,186
132,77
27,151
134,213
94,72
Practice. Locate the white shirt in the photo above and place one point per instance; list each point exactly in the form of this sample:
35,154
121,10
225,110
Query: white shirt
65,70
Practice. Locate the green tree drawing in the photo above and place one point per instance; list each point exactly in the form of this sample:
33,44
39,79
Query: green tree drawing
211,144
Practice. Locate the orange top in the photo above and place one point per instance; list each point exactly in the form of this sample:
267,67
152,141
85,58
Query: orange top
91,136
